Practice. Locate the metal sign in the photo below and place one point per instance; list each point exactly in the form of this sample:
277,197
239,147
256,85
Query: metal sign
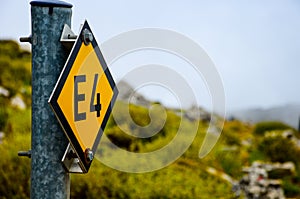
82,100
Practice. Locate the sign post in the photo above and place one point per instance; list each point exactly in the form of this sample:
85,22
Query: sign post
83,96
48,176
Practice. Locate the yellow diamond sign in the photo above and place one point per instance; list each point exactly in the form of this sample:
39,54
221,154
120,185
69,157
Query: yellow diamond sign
83,97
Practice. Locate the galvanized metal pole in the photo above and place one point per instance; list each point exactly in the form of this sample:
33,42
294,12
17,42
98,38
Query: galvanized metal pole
48,177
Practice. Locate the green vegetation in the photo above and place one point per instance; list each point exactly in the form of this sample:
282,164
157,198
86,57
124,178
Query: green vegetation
180,180
274,150
239,145
15,68
14,171
263,127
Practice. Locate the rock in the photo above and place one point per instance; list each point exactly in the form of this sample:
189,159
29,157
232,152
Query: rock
127,94
1,136
18,102
197,113
4,91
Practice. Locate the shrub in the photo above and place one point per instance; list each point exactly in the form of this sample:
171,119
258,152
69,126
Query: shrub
290,189
262,127
120,138
14,170
279,149
230,162
3,113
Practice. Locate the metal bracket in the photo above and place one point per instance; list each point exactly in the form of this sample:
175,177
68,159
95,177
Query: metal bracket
26,39
71,161
68,37
25,153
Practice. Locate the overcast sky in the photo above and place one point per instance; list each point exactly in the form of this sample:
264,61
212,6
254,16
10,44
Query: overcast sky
255,45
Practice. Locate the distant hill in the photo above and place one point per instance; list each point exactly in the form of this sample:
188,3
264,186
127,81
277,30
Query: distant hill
288,114
127,94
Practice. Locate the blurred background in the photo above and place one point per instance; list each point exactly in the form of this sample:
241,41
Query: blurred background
254,46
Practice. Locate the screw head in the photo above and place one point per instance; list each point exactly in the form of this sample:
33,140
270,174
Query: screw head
87,36
89,155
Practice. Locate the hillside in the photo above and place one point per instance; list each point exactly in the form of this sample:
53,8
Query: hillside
188,176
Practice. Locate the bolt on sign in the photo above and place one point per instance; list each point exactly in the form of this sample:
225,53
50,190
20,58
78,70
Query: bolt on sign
82,100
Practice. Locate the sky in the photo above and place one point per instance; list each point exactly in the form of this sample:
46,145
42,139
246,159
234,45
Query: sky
254,45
